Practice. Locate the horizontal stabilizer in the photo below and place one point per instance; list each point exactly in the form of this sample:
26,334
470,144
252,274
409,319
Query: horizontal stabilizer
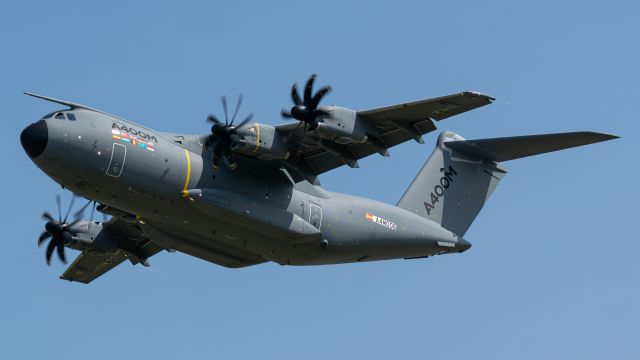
509,148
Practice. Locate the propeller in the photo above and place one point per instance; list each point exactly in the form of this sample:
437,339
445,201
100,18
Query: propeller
224,135
59,230
306,109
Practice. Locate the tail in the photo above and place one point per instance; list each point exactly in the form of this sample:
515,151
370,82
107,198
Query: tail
460,175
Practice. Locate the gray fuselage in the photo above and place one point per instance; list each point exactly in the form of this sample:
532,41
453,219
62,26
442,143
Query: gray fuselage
239,217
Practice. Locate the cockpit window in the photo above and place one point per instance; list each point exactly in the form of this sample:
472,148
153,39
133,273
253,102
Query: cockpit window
71,116
59,116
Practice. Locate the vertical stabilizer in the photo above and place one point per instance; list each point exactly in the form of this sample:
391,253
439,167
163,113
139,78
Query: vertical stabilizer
458,178
451,188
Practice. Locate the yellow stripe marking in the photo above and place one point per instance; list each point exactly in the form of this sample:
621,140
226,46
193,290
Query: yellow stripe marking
185,194
258,142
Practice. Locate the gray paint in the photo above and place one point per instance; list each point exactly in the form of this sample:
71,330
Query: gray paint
256,213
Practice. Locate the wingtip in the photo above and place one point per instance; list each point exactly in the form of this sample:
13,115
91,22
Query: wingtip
479,94
604,136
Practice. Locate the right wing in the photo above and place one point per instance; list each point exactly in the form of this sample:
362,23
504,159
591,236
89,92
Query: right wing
133,245
436,108
394,125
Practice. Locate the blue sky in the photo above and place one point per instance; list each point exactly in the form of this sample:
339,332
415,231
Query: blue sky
553,271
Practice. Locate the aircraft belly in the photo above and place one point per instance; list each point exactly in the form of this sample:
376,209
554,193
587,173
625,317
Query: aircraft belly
200,245
359,229
224,242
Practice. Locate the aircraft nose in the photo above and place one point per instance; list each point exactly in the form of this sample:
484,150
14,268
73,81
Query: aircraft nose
34,138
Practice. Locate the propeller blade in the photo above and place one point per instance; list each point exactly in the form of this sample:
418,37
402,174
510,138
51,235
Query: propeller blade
245,121
318,112
213,120
224,106
217,151
93,210
209,141
47,216
224,135
319,95
227,162
78,214
294,95
226,158
308,89
60,248
235,113
50,248
234,140
59,207
226,152
286,114
73,200
44,236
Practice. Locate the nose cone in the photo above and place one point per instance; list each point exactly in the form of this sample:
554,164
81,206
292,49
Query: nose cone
34,138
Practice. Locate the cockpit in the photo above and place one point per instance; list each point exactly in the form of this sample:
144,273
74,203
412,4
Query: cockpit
60,115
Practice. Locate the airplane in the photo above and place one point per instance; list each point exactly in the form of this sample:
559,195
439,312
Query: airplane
248,193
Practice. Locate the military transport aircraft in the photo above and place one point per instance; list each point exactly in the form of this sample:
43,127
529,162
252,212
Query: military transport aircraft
247,193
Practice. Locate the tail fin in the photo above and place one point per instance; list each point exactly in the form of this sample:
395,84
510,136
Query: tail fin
460,175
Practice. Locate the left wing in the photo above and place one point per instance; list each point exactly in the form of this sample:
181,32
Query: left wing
391,125
132,244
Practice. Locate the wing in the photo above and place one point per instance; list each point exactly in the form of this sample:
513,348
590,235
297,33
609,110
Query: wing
393,124
437,108
87,266
132,245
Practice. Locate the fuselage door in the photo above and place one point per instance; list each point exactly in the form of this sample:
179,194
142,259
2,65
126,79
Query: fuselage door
315,215
118,155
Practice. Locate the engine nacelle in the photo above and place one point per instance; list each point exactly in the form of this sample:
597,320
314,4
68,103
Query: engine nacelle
96,238
343,126
90,236
261,141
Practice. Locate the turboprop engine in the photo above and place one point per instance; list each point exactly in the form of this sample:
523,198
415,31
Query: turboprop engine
342,125
261,141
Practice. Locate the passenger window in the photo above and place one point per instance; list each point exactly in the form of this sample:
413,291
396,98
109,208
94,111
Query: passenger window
71,116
